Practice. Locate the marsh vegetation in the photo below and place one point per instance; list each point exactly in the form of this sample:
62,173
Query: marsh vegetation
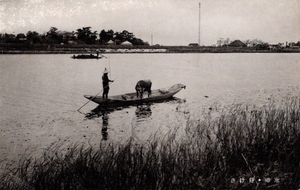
238,147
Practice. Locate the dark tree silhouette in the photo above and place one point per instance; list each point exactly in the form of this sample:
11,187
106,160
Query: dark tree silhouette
33,37
86,35
106,36
52,36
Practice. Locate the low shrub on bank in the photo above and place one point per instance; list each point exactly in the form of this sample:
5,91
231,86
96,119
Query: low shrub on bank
240,148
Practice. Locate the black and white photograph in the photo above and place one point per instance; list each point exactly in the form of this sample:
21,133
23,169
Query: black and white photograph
149,94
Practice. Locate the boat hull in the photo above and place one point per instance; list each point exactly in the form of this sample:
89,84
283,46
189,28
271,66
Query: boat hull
86,57
131,98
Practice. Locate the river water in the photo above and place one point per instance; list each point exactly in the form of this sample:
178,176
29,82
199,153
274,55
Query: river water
40,94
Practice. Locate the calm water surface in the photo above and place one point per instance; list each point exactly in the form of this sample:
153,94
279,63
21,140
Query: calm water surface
40,94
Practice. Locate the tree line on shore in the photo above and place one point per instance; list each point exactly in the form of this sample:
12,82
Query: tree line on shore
83,35
259,44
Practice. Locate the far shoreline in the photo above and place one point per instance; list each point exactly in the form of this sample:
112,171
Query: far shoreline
92,49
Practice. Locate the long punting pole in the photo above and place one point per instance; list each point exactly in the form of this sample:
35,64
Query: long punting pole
109,67
199,23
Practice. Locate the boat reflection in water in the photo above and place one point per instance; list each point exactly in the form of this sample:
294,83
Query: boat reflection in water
143,111
105,118
104,114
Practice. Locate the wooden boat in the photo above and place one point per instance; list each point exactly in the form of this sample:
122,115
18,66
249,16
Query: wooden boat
131,98
86,56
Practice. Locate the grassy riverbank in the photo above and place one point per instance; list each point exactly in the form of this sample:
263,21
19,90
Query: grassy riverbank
236,148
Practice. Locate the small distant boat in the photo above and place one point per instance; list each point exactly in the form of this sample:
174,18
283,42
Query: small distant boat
87,56
131,98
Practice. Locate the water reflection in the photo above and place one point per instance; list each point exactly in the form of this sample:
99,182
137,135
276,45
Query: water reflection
143,111
138,116
99,111
102,112
105,118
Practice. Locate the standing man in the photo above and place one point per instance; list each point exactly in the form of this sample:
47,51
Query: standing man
105,83
97,51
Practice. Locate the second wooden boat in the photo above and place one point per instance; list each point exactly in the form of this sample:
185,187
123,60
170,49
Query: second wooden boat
86,56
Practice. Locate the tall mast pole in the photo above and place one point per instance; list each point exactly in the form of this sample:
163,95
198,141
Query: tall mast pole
199,23
152,40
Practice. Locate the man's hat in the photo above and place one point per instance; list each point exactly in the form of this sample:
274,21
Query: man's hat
105,71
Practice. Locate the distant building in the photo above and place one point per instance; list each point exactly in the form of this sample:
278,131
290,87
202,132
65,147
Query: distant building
237,43
261,46
126,43
71,42
110,42
276,46
21,37
297,44
193,44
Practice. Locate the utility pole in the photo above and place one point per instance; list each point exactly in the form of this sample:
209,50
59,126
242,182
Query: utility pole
151,40
199,23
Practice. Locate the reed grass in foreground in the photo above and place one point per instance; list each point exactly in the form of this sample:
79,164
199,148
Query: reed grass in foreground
241,148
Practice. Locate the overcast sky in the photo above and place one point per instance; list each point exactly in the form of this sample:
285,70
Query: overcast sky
170,22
